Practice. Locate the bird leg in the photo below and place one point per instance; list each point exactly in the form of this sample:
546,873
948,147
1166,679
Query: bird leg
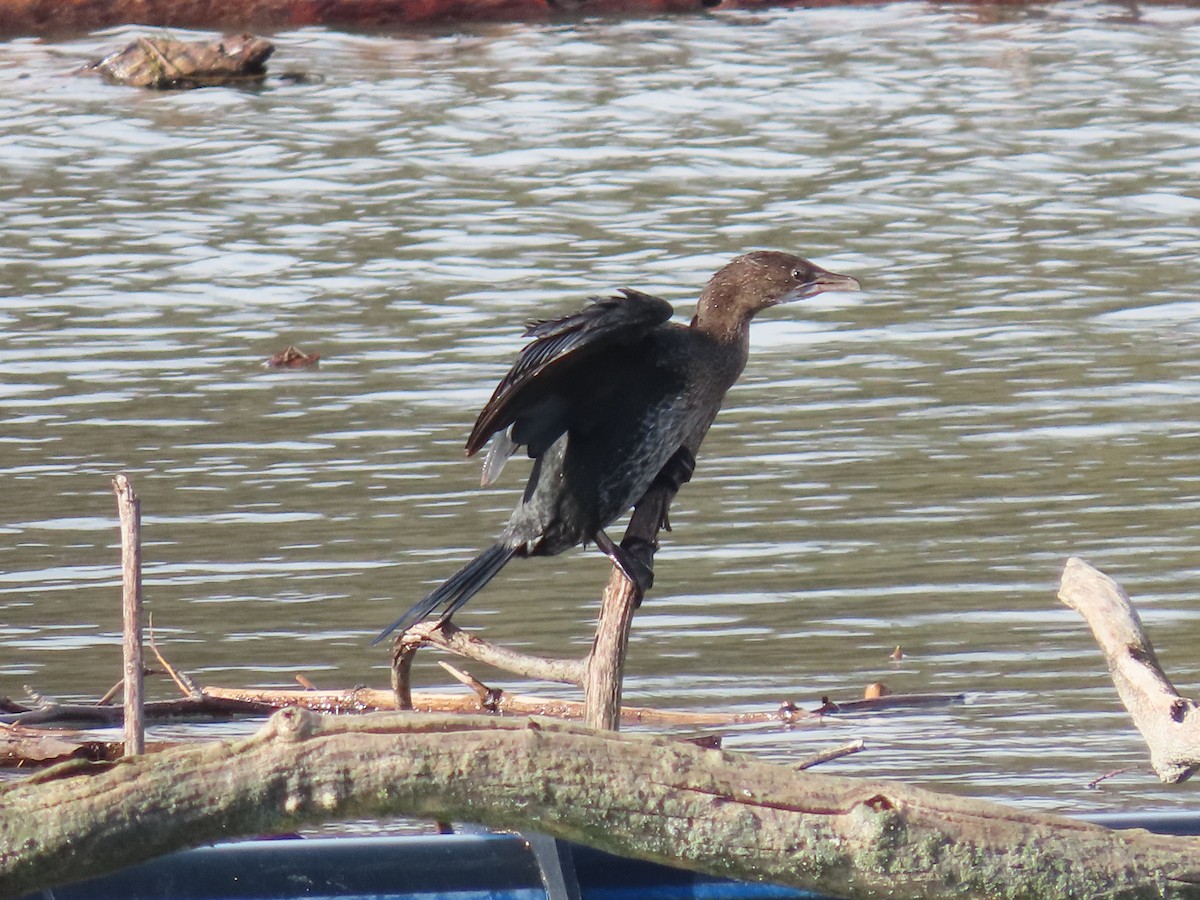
674,475
640,575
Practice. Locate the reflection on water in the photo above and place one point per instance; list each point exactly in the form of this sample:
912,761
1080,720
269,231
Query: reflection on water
908,466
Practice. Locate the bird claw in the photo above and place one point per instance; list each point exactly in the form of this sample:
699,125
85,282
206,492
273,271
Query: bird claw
638,573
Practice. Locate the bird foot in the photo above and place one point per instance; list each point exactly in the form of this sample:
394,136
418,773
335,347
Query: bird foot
636,572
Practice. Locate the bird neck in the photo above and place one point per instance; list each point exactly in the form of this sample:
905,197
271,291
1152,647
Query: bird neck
726,306
729,331
726,347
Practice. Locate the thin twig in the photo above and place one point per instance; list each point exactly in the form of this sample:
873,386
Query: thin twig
186,686
831,754
489,698
111,693
1095,782
303,681
888,701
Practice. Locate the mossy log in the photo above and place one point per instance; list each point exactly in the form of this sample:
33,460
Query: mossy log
650,798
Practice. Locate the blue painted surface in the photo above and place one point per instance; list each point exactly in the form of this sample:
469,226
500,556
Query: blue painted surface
452,867
444,867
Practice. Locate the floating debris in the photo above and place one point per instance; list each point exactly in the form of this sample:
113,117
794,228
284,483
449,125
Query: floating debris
875,690
166,64
293,358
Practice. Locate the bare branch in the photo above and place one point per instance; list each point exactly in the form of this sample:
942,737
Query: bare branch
186,686
367,699
129,510
1168,722
831,754
606,663
448,636
489,698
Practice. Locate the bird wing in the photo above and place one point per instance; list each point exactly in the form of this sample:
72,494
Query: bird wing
560,347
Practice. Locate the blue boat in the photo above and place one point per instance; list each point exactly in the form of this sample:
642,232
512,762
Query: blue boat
484,866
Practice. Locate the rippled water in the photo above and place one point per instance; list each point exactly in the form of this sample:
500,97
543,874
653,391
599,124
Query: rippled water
1017,189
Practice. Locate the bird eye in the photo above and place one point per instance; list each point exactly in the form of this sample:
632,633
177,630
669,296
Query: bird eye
798,274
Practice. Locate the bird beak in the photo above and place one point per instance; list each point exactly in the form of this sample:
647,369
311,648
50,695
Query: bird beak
823,281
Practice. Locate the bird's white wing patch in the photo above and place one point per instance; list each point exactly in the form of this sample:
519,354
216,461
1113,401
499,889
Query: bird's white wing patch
501,449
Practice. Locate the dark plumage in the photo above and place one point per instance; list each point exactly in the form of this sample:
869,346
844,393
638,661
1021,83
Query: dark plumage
606,399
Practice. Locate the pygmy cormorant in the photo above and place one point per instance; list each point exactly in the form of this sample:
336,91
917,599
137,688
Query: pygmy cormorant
606,399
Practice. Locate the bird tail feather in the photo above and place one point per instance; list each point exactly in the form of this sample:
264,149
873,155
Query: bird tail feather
456,590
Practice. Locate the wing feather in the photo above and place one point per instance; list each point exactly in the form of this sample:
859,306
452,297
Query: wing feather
558,346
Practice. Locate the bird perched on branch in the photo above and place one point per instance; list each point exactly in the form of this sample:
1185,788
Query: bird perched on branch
608,400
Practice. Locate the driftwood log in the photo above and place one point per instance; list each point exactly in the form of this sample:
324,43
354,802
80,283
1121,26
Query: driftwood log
27,740
166,64
642,797
370,700
1169,723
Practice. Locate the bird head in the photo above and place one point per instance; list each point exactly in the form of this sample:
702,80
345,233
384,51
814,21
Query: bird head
755,281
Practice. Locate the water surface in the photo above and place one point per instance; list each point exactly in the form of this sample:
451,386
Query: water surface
908,466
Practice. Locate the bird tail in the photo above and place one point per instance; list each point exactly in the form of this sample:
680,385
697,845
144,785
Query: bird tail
457,589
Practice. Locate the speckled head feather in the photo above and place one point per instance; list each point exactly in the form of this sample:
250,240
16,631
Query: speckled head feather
754,281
